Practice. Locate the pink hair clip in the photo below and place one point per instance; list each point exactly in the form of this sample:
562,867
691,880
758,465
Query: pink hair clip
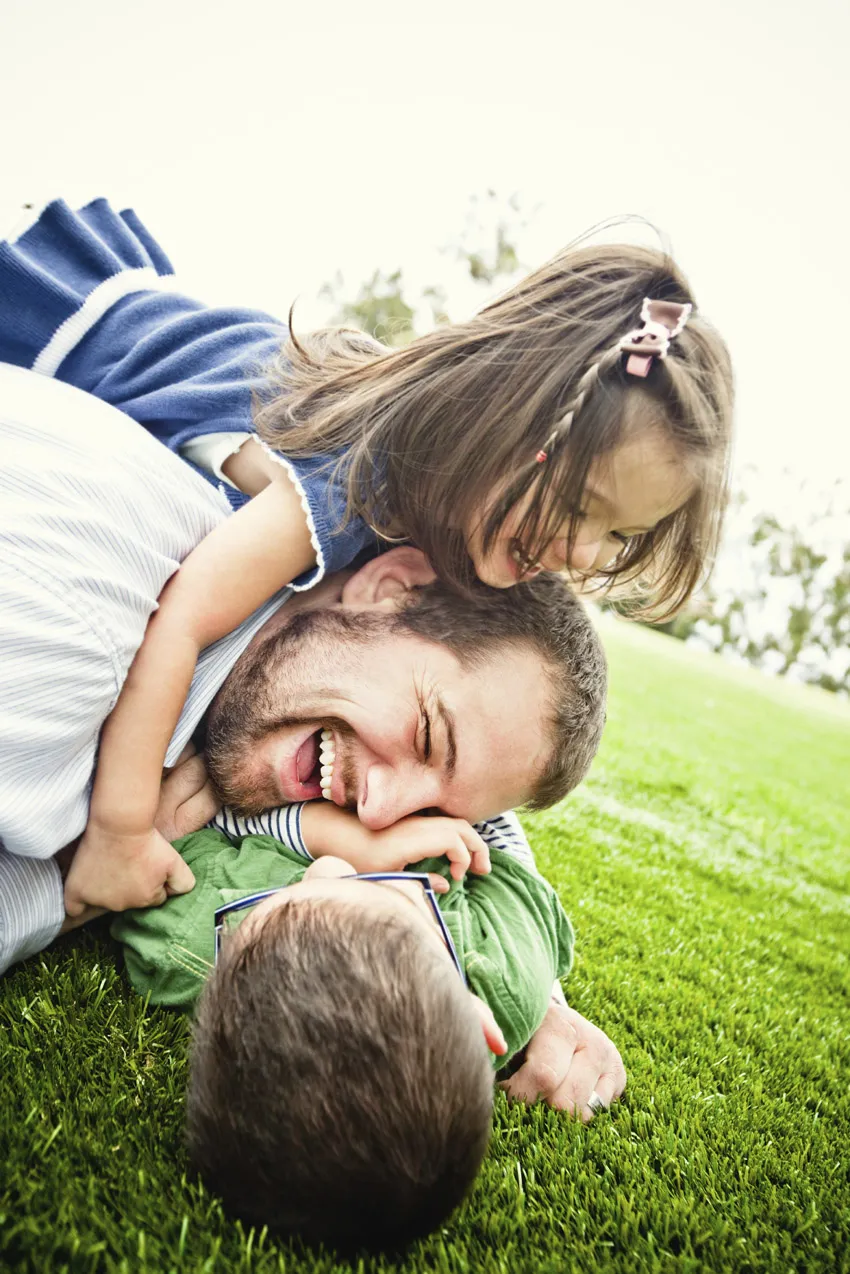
662,321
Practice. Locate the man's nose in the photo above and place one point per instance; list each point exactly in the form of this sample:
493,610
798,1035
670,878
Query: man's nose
393,793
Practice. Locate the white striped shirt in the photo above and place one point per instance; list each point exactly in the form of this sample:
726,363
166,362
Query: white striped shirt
95,517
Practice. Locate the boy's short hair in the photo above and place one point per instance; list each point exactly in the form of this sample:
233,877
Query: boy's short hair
340,1085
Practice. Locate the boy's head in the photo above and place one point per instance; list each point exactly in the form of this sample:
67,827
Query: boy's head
340,1086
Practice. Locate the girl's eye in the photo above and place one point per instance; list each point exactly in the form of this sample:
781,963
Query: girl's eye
623,539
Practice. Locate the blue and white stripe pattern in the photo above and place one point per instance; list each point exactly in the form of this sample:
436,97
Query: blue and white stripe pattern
505,833
283,823
57,296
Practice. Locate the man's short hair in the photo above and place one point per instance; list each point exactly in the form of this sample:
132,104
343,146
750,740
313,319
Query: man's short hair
542,614
340,1085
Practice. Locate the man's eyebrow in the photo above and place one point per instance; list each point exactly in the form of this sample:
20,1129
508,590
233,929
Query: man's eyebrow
447,717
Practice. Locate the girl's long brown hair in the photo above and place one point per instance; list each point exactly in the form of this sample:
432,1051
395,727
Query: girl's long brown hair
425,435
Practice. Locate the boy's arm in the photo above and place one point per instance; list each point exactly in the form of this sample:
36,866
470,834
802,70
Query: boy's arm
334,830
327,829
283,823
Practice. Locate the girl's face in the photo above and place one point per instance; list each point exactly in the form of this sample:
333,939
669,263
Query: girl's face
628,492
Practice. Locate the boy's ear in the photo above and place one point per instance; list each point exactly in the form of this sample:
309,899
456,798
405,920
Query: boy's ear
385,580
492,1031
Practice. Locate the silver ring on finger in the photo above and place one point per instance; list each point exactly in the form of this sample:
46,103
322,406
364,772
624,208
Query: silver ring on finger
595,1103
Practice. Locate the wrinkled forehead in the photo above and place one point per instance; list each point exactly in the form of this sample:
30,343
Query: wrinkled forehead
506,720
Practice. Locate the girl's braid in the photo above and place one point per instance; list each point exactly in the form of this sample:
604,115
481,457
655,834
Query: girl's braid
585,387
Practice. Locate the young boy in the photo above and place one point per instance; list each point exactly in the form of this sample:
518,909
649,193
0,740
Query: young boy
341,1084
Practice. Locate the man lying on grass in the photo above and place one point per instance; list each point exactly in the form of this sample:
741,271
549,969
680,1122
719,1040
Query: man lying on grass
432,702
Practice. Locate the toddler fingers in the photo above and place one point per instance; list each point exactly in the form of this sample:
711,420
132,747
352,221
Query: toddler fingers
479,851
188,779
438,883
606,1090
460,858
74,904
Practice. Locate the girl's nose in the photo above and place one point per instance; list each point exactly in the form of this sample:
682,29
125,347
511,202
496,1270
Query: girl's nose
554,556
584,556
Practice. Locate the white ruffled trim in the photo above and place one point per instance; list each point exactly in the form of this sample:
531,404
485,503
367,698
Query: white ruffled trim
105,295
308,514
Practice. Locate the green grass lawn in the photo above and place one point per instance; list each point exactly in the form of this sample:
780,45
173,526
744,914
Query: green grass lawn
705,867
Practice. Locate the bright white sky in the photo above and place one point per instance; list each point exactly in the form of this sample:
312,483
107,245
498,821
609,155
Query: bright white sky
268,144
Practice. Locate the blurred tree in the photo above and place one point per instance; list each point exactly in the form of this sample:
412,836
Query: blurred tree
378,308
388,308
781,598
488,242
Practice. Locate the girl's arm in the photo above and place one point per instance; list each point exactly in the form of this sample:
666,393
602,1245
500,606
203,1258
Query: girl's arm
121,861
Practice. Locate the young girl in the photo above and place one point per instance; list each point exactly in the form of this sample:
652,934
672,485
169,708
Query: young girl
582,423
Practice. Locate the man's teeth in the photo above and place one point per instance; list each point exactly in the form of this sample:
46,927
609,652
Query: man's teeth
327,756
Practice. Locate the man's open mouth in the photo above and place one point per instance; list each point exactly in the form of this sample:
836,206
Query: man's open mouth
327,756
314,765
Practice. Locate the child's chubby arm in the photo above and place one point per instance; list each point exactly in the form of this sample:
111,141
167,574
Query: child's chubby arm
122,861
326,829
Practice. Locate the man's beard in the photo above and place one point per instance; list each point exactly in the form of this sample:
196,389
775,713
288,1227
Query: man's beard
261,692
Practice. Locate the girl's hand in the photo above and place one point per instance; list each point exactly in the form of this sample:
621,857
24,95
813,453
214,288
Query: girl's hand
120,871
417,837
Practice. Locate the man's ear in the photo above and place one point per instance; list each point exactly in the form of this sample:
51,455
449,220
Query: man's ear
385,580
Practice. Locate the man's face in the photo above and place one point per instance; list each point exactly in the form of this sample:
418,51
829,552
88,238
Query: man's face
412,728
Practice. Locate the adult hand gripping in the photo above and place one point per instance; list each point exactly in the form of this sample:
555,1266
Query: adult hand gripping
567,1059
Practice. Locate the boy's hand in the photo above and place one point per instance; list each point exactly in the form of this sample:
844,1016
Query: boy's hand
417,837
121,871
329,830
